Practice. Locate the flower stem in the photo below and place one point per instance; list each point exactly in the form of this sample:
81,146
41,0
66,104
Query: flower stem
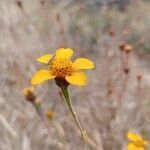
65,92
40,113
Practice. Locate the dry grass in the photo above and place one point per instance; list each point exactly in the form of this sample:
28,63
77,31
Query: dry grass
112,103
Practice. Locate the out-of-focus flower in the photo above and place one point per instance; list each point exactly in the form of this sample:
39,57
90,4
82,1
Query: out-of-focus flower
137,142
125,47
121,46
62,69
28,92
50,114
128,48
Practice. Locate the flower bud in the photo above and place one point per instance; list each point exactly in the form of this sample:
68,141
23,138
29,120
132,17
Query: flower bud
50,115
29,94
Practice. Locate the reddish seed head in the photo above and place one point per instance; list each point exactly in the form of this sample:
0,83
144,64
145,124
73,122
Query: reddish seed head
19,3
139,76
126,70
128,48
121,46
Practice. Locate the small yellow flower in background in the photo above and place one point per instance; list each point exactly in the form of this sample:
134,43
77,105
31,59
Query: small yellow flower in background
62,69
50,115
137,142
28,92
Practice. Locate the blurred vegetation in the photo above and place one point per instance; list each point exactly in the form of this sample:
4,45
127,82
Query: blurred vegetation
94,29
132,24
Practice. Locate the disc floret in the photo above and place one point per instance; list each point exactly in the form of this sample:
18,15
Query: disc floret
61,67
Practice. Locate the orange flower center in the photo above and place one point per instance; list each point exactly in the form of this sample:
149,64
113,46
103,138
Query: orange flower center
61,67
139,143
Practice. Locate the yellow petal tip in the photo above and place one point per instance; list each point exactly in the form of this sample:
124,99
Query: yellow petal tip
83,63
44,59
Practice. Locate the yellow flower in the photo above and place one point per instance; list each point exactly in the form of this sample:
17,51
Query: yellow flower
62,69
137,142
50,114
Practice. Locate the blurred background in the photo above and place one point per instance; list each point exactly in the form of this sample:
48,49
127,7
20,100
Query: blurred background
116,98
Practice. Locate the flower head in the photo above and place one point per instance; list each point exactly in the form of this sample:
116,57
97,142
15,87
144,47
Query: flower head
137,142
62,69
50,115
28,92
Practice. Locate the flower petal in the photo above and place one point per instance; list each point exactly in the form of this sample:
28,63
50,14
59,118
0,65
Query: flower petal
131,146
64,53
77,78
145,142
140,148
41,76
134,137
83,63
45,58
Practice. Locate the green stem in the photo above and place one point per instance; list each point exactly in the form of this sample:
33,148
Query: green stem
40,113
65,92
